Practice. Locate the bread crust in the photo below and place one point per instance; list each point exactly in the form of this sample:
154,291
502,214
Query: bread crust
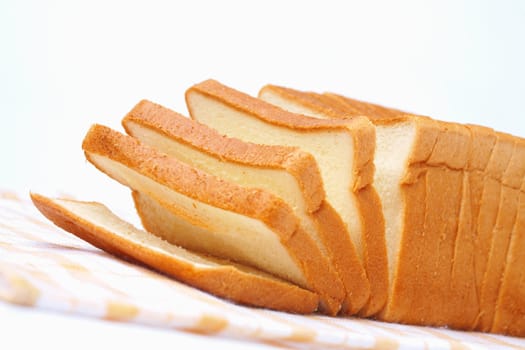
441,160
492,202
226,281
509,312
254,203
189,181
502,233
368,201
426,275
204,139
371,110
265,111
487,238
301,165
509,316
361,131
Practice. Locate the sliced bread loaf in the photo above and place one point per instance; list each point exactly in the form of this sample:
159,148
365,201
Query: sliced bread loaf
420,179
287,172
249,226
343,151
96,224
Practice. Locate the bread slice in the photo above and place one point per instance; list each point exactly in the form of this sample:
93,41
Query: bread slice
287,172
492,202
464,294
510,183
427,167
445,229
509,315
249,226
343,150
96,224
485,223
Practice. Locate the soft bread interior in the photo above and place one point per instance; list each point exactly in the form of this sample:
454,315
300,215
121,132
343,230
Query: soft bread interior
288,104
97,225
213,230
328,147
102,217
277,181
393,146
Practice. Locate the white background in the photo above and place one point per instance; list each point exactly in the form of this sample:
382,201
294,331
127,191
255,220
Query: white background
67,64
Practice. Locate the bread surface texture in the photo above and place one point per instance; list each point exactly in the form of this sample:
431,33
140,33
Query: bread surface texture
96,224
343,150
230,221
303,202
469,177
287,172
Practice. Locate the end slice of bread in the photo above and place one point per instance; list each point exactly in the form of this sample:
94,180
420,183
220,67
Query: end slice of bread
96,224
342,149
250,226
287,172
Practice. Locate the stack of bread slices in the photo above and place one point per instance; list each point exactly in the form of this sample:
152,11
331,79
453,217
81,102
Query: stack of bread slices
307,202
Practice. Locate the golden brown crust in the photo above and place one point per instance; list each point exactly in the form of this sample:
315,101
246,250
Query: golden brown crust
359,128
364,149
438,144
427,300
375,254
344,257
496,259
300,164
204,139
452,146
341,103
369,206
371,217
206,188
515,172
509,312
481,240
511,180
443,147
320,277
483,140
509,316
374,111
225,281
491,203
189,181
463,298
266,111
362,133
310,100
403,298
333,105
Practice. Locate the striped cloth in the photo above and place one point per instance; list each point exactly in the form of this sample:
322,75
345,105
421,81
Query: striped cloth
45,267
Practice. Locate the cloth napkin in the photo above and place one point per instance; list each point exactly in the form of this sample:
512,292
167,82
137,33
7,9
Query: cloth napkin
42,266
